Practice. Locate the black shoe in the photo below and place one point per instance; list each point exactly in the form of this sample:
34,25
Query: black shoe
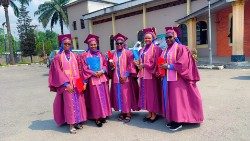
153,120
175,127
103,120
169,124
146,119
98,123
78,126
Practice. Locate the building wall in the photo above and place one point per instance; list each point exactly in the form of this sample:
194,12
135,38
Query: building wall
75,13
223,47
165,17
198,4
129,27
104,31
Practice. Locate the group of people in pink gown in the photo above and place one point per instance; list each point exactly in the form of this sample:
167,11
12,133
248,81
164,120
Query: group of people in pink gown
138,82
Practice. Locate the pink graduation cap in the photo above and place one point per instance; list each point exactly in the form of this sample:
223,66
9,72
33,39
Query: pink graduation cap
119,36
174,30
63,37
91,37
150,31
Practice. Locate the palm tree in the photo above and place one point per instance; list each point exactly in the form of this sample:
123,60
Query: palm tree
52,11
5,4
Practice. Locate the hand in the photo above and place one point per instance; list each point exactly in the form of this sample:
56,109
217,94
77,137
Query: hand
99,73
164,66
84,86
123,79
136,62
69,88
140,66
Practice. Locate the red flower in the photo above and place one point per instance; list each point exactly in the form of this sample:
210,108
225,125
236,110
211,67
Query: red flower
160,62
80,85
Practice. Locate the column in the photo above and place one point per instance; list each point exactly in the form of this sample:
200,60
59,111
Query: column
90,27
238,31
191,29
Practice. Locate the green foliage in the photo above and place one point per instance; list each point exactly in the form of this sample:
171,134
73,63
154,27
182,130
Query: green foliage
52,12
26,33
46,40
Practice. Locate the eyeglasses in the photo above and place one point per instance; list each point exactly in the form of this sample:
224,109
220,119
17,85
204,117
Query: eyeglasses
169,37
67,44
119,44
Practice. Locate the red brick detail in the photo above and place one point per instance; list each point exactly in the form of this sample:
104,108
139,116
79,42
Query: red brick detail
222,29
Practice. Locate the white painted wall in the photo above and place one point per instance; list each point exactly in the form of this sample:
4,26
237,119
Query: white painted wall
129,27
165,17
75,13
104,31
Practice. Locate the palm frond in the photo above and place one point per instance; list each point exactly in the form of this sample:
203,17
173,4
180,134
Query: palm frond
54,19
45,17
15,8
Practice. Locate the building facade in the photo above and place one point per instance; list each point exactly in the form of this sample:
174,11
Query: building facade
230,36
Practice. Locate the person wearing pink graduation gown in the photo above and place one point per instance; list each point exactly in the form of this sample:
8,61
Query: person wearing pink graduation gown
124,86
93,69
69,104
183,103
150,91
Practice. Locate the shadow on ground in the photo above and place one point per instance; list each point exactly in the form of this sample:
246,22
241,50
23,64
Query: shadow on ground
45,74
242,77
159,125
43,125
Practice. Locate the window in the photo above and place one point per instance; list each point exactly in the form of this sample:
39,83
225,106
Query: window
230,35
112,42
74,25
82,24
183,34
201,33
77,43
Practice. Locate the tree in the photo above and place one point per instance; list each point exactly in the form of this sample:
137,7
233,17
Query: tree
53,11
26,33
5,4
46,42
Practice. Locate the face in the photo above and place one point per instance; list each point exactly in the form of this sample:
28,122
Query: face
67,44
170,39
119,44
93,46
148,38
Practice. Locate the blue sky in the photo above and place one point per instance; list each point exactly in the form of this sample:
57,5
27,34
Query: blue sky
32,8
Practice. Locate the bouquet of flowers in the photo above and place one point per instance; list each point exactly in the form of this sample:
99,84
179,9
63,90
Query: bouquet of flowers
80,85
160,62
110,56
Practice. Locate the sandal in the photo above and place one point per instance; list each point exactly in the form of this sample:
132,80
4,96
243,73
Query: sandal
72,130
127,119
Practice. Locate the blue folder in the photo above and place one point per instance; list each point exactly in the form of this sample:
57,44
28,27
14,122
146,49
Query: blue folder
94,63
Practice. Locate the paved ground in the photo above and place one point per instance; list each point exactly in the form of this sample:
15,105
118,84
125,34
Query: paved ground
26,111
